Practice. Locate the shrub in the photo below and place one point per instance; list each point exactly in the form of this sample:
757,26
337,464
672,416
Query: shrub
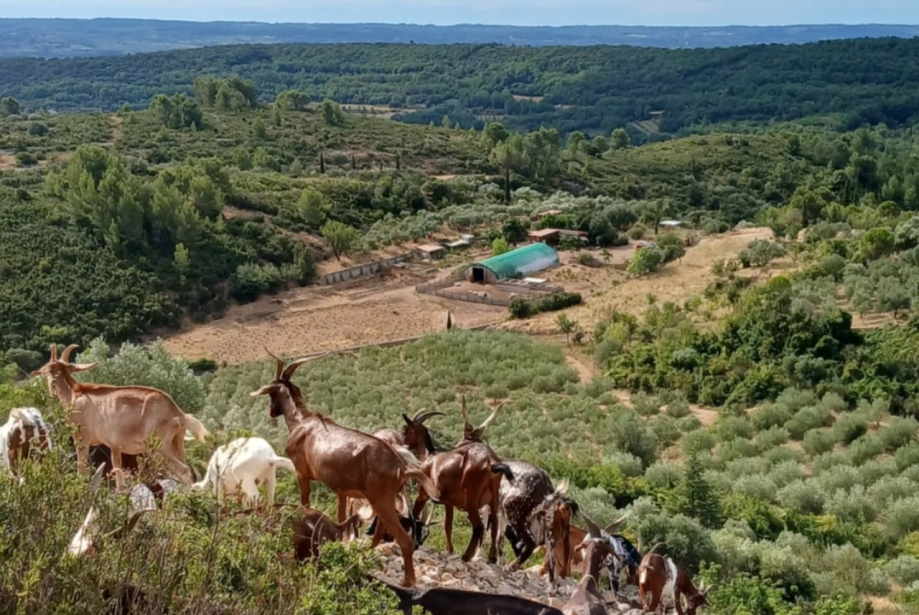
628,464
251,280
904,570
902,517
688,424
888,489
852,506
801,495
686,541
520,308
672,247
849,427
817,441
770,438
805,420
630,434
759,487
907,456
760,252
785,472
732,427
644,261
865,448
900,432
838,477
663,475
771,415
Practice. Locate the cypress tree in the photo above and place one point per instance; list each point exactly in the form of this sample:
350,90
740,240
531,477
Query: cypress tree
321,163
696,496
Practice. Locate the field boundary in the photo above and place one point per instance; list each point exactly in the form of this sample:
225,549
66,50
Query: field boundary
359,271
438,287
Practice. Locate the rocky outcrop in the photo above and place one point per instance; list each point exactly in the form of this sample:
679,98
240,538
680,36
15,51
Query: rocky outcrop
439,569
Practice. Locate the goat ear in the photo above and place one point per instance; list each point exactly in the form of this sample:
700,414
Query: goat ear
41,371
82,367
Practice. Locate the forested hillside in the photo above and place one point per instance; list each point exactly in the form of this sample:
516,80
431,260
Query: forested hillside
592,89
94,37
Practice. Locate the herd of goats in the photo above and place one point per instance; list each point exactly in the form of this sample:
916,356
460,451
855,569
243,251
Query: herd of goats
371,476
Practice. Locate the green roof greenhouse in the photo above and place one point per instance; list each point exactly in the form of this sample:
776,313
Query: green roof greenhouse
516,263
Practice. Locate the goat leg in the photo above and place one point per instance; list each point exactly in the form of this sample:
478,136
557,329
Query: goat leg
304,481
448,527
342,508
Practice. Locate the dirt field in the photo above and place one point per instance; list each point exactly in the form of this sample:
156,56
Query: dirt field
317,318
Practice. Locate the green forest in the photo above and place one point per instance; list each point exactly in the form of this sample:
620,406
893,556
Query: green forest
593,89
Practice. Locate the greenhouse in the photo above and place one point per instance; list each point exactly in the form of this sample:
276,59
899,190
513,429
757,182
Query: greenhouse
514,264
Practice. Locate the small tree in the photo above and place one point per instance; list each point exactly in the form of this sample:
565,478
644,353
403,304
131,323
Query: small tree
9,106
311,207
181,261
514,231
620,139
341,237
332,113
500,246
566,326
696,497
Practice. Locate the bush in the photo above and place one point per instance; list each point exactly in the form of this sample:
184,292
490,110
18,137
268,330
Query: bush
900,432
801,495
663,475
817,441
644,261
731,427
771,415
672,246
852,506
849,427
903,570
523,308
902,517
251,280
760,252
805,420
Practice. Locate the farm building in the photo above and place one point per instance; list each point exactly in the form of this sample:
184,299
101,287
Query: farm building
514,264
431,251
552,236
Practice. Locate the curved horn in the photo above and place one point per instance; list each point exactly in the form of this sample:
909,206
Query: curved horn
615,525
65,356
422,415
280,364
491,418
54,352
289,372
592,528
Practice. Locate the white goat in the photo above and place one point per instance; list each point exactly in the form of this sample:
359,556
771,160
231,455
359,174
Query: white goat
242,465
16,435
141,499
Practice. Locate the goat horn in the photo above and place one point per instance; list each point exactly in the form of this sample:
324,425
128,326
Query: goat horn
422,415
65,356
280,364
54,352
592,528
491,418
615,525
289,372
466,422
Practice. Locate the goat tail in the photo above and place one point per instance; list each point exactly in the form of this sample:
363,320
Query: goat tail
504,470
424,481
195,426
407,457
283,462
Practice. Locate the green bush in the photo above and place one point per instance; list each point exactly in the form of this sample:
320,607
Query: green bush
849,427
525,308
251,280
760,252
817,441
803,496
644,261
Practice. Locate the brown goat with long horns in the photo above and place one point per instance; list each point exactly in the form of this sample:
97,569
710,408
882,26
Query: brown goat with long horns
469,478
415,436
120,417
351,463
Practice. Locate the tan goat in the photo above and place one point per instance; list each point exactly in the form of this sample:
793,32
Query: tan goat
120,417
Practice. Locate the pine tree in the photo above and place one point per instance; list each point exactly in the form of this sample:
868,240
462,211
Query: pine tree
696,497
321,163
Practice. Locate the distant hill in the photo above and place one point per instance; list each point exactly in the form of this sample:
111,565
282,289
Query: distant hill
94,37
594,89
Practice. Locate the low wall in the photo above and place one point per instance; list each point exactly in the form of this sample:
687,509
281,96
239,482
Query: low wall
361,270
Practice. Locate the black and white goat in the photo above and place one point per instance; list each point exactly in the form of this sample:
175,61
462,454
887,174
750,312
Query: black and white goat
527,512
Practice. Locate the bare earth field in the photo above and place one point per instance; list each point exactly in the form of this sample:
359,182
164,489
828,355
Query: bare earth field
319,318
386,307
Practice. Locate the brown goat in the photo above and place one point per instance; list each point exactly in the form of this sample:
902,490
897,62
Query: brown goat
120,417
561,527
314,528
351,463
586,599
468,478
659,579
415,436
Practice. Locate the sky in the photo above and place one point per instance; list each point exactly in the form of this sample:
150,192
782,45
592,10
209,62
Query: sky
511,12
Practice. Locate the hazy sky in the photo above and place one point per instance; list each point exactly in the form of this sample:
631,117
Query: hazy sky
519,12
